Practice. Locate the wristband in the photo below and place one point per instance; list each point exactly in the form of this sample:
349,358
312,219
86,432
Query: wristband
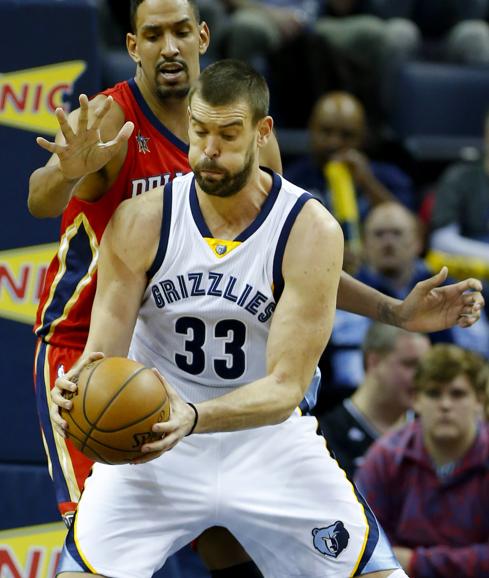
196,418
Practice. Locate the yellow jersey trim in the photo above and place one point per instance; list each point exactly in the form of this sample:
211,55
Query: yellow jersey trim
221,247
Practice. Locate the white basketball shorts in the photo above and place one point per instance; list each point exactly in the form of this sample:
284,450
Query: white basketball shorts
276,488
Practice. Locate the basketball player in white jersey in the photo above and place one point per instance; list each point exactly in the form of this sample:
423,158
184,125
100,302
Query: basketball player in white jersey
228,280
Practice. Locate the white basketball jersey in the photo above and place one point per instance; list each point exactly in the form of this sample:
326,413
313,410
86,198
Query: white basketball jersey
207,310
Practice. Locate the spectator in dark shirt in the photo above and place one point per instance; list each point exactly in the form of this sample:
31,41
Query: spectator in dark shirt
428,483
337,131
382,401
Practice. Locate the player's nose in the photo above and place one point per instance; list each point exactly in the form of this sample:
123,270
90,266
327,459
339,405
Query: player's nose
169,46
211,149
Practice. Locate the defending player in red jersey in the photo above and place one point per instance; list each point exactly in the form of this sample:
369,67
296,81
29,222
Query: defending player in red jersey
126,140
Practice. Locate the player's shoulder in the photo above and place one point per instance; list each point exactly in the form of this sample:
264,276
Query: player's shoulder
140,211
313,222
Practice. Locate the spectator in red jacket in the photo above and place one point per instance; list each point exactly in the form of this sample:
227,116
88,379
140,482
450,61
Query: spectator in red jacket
428,483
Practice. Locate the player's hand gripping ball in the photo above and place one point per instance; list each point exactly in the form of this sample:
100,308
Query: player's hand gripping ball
117,402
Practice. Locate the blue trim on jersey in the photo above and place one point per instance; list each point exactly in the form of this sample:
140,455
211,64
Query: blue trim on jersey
153,119
373,535
62,493
311,396
254,226
78,259
278,280
165,230
70,546
197,213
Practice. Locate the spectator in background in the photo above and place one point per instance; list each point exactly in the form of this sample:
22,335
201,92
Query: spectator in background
277,37
392,244
460,217
372,47
338,131
452,30
428,483
382,401
337,134
256,29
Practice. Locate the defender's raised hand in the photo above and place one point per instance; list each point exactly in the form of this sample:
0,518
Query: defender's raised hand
83,151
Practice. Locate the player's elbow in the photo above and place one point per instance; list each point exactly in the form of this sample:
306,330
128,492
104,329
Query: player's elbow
289,396
35,208
40,209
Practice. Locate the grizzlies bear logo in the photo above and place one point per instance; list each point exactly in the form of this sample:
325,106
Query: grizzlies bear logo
332,540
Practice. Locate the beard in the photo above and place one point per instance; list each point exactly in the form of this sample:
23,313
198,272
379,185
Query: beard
226,184
166,93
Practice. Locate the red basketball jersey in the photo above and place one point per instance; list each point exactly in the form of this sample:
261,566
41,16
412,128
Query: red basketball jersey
154,157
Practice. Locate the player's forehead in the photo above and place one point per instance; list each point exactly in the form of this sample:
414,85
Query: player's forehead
237,113
164,13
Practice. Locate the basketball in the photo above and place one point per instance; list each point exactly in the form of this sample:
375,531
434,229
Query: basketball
117,402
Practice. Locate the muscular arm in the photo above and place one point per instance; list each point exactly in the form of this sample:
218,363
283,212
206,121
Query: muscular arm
127,250
300,329
84,160
356,297
49,190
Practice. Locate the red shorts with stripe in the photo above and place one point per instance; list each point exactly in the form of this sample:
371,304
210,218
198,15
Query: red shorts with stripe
68,467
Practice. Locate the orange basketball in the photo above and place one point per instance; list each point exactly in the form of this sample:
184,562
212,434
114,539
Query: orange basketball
117,402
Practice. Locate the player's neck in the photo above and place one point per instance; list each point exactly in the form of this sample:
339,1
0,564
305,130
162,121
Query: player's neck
172,113
227,217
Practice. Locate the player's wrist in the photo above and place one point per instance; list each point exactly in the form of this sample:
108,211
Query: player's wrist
69,180
196,419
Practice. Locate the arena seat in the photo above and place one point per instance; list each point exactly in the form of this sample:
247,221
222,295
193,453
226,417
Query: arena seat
438,109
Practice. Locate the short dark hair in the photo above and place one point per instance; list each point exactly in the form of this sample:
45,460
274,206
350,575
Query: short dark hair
136,3
444,362
228,81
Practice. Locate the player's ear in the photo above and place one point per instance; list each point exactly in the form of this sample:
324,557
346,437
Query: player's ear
265,127
204,38
132,47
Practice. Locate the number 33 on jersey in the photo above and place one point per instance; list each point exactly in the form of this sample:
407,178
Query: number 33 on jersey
233,284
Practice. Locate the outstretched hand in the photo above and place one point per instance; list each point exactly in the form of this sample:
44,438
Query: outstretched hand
83,151
430,307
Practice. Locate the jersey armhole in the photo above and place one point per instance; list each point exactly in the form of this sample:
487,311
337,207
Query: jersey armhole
278,279
165,230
